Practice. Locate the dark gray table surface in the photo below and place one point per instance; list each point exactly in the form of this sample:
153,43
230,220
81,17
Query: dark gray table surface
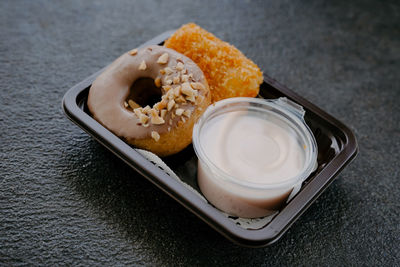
66,200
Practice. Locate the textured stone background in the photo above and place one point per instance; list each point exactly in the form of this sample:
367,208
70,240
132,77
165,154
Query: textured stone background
65,200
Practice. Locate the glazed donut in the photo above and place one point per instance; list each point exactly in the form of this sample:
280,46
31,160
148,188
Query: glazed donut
229,73
151,97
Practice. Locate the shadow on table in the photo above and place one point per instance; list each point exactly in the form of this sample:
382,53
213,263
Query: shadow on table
145,215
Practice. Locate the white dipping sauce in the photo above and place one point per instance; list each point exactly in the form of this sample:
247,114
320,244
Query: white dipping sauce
251,148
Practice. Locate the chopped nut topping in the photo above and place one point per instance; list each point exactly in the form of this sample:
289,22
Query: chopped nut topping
170,94
179,111
180,99
197,86
143,118
138,112
185,78
155,135
142,65
187,89
169,82
187,113
126,104
168,70
177,91
189,92
154,112
176,79
179,66
183,119
146,109
157,82
166,88
133,104
163,59
162,72
191,98
170,105
133,52
163,113
155,119
160,105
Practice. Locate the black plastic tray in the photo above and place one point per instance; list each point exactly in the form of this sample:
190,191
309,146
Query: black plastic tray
337,146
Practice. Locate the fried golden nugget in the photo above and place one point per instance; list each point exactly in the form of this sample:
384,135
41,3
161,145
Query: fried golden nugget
228,72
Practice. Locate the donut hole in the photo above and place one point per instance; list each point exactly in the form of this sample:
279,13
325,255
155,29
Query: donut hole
144,92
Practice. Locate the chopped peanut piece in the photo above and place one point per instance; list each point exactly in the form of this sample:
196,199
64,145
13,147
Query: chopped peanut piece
170,105
162,72
177,91
163,59
179,66
168,70
155,119
160,105
126,104
146,109
143,118
154,112
170,94
191,98
179,111
142,65
166,88
197,86
187,113
180,99
133,104
185,78
133,52
157,82
187,89
176,80
163,113
138,112
155,135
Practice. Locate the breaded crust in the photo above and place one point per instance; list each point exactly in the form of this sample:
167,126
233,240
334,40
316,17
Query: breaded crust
228,72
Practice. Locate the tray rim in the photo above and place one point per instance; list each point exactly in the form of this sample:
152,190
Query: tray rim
250,238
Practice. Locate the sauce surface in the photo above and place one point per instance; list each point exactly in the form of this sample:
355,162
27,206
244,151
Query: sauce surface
251,148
